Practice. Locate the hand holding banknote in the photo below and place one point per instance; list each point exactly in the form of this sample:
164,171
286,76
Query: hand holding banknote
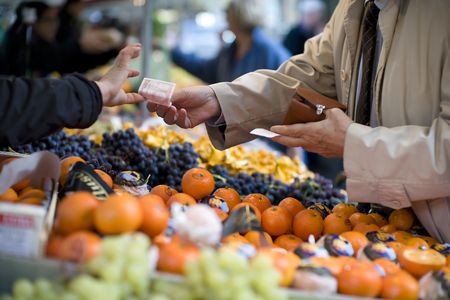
188,108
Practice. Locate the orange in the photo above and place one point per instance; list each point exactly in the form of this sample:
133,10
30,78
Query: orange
31,201
182,198
365,228
402,218
359,279
105,177
379,219
402,236
419,262
308,222
54,243
230,195
258,240
388,266
292,205
155,215
388,228
358,217
21,185
336,223
198,183
65,165
397,246
252,206
223,216
234,237
174,255
9,196
276,220
76,212
118,214
400,285
32,192
288,241
164,191
345,208
259,200
417,243
80,246
357,239
448,260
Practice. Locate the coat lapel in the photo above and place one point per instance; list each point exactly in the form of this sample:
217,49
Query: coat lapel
352,22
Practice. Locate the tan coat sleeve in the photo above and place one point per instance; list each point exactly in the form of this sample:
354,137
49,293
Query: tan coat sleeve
399,165
261,98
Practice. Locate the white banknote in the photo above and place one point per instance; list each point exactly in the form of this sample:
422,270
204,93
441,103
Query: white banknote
157,91
264,133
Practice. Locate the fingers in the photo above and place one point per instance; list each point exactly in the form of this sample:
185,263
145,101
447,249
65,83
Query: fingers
152,107
183,120
289,141
171,115
126,54
162,110
133,73
133,98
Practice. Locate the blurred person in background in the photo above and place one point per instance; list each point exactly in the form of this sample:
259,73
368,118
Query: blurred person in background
251,50
312,15
37,53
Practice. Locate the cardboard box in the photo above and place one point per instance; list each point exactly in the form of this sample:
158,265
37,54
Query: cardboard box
24,229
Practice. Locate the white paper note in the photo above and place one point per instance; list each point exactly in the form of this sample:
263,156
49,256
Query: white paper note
264,133
157,91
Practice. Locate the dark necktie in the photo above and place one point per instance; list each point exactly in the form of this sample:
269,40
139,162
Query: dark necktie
369,39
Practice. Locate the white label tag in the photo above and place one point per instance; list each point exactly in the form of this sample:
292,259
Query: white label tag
157,91
264,133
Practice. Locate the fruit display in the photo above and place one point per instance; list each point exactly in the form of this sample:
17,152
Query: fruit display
224,232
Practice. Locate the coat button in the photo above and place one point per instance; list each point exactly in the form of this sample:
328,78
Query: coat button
344,75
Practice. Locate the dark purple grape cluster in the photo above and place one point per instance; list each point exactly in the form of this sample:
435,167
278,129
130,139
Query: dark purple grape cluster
61,144
309,191
167,166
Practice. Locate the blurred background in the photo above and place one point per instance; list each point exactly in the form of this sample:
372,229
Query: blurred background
188,42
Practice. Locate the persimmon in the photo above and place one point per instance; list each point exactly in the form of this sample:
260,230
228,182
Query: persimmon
53,247
345,209
365,228
358,217
379,219
388,228
198,183
32,192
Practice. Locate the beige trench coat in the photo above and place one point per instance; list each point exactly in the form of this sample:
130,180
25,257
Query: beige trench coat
404,162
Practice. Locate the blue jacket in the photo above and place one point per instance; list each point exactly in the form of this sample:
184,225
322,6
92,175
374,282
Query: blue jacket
264,54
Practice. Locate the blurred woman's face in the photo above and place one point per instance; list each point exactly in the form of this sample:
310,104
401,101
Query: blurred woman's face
47,25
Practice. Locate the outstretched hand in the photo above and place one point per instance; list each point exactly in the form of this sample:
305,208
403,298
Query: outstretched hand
190,107
110,85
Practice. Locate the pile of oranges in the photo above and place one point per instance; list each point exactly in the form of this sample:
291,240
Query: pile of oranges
81,220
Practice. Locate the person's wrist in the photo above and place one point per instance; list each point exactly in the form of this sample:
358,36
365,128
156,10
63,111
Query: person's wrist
104,91
215,104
